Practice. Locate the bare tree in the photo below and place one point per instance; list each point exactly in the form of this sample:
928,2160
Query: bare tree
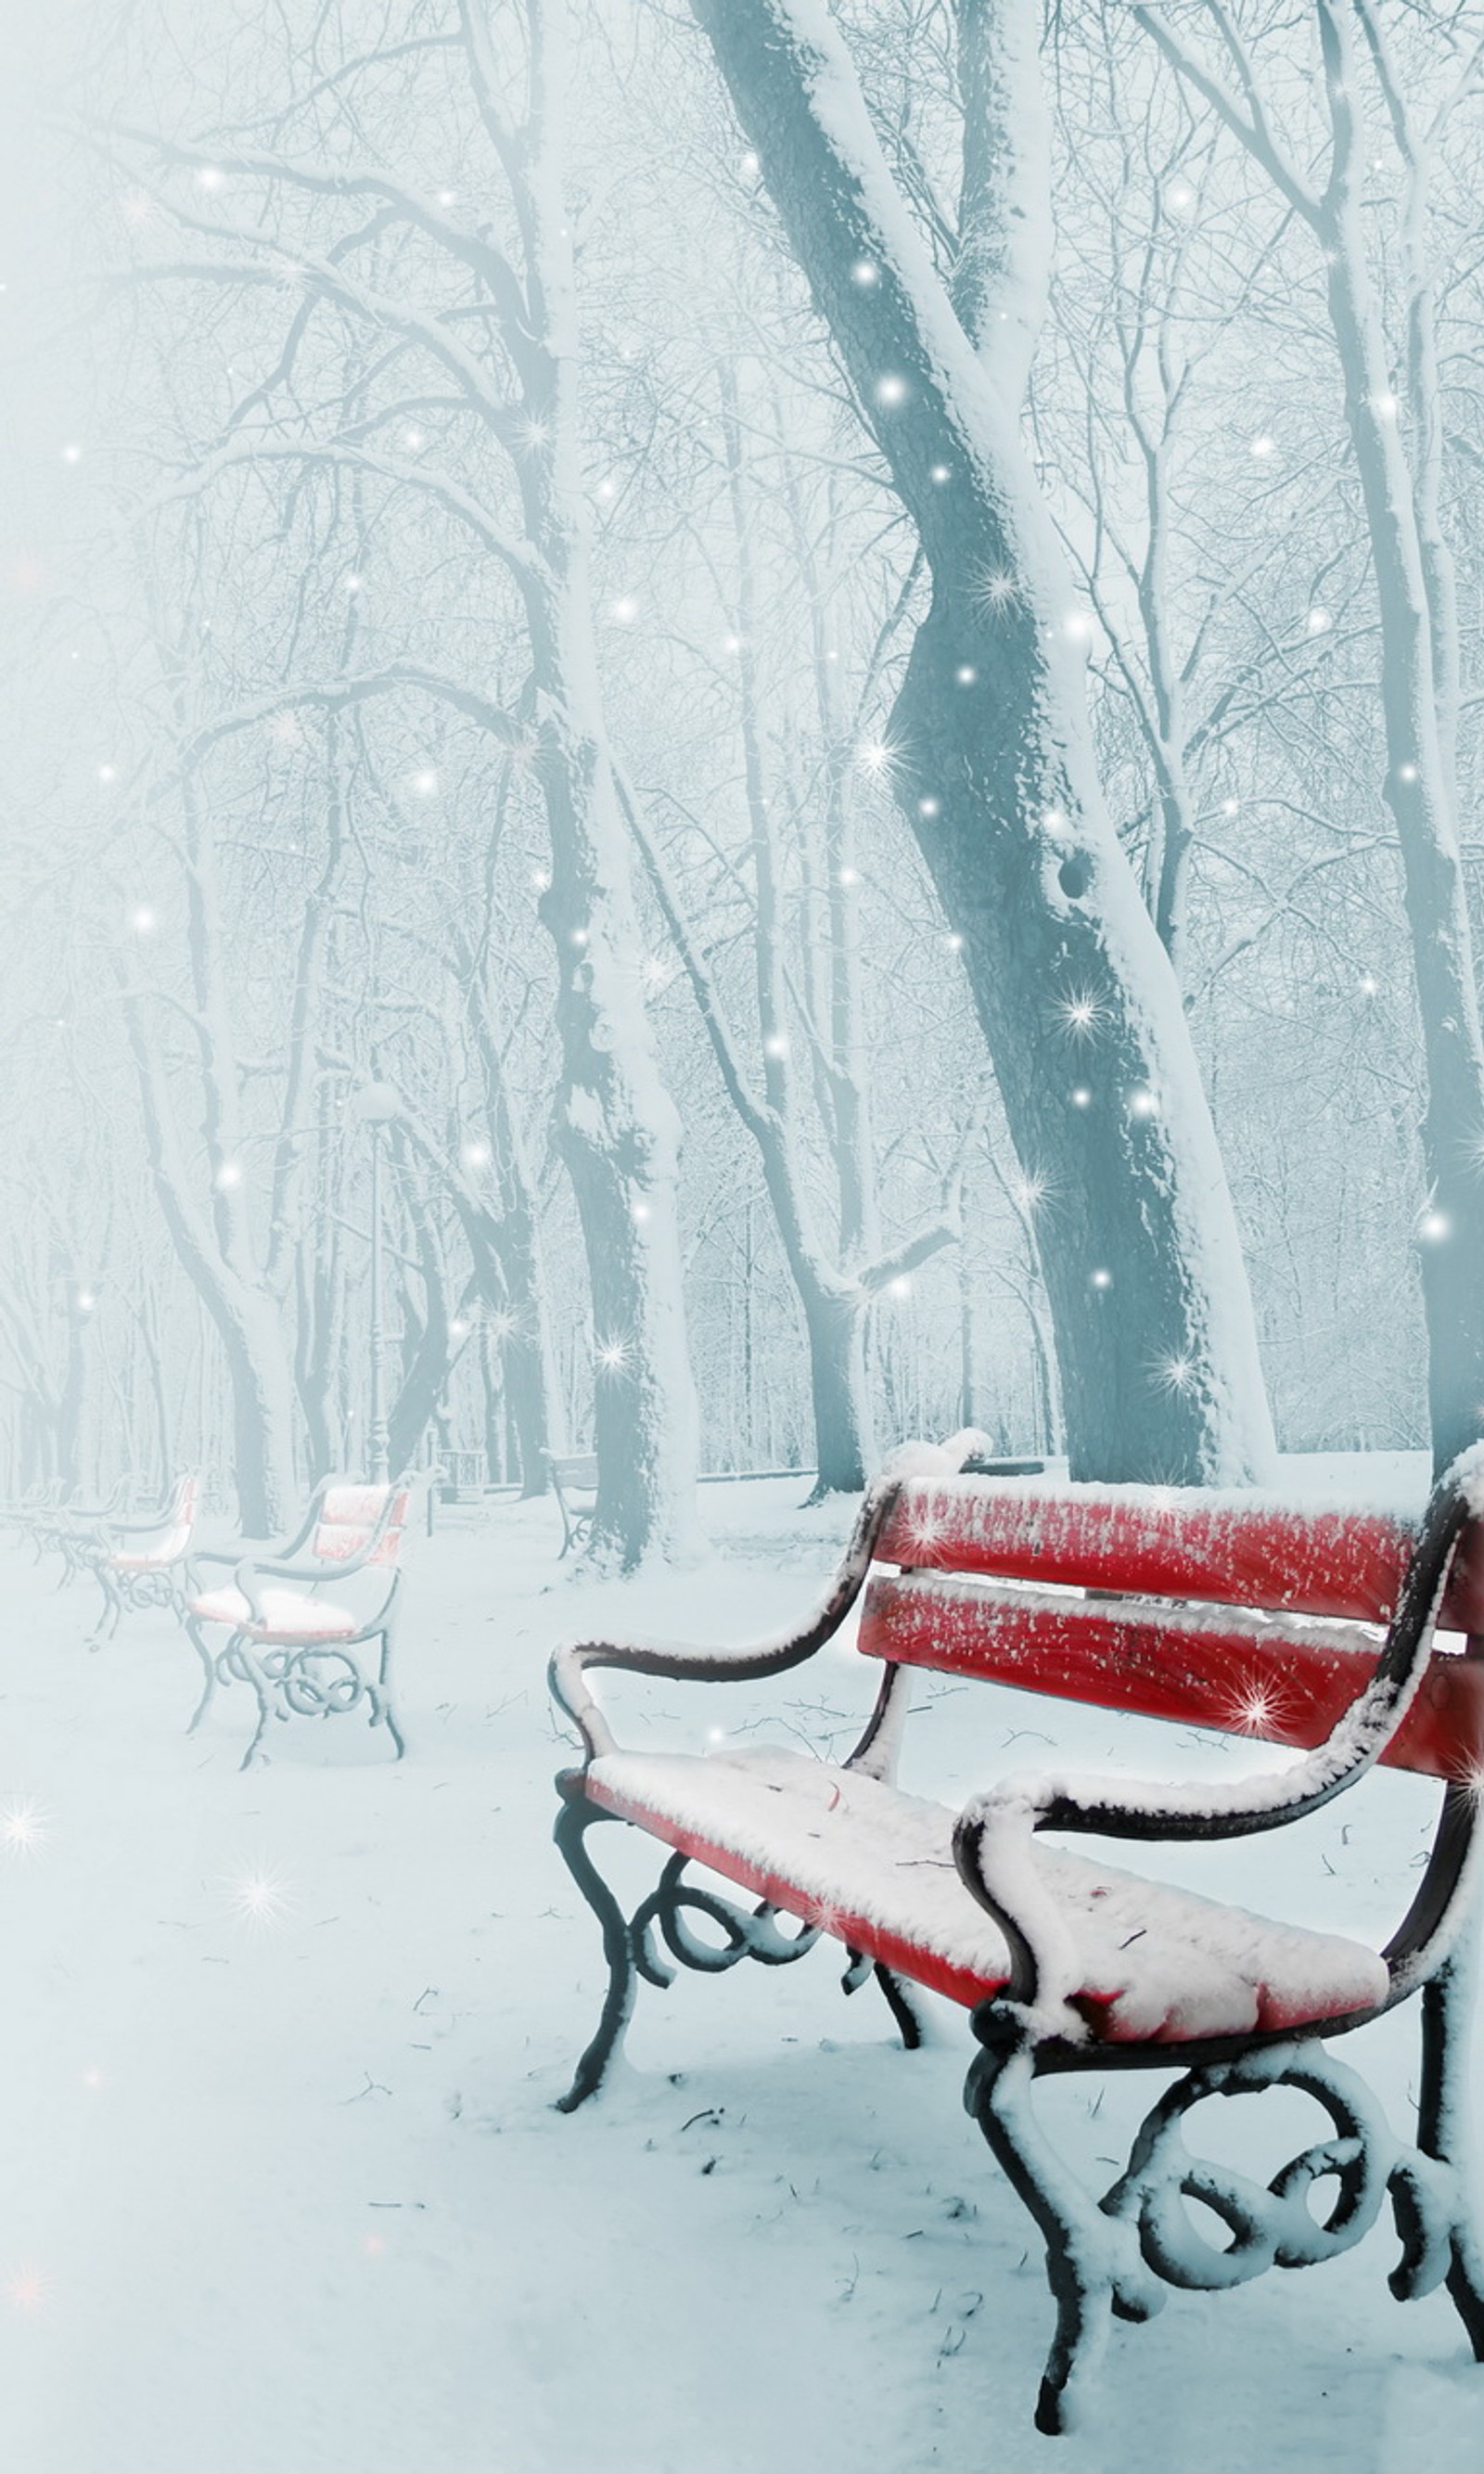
994,764
1395,418
509,380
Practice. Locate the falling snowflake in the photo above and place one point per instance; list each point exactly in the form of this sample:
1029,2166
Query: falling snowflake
1256,1705
992,591
1173,1374
878,757
23,1826
1081,1014
260,1896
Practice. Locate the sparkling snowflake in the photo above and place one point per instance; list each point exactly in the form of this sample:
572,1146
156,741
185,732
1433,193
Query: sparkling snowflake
878,757
1173,1374
1081,1013
1257,1705
992,591
24,1828
260,1896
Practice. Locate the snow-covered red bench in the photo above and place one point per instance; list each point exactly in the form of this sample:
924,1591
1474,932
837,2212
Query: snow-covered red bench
295,1624
1312,1629
138,1563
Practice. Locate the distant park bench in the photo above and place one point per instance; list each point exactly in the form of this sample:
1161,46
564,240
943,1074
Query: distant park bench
1309,1629
139,1563
295,1624
462,1476
574,1485
53,1522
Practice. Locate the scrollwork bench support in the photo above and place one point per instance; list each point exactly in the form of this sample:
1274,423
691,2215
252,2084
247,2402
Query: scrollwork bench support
628,1943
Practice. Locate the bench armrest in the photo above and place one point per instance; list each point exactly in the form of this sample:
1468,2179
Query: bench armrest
571,1663
289,1548
993,1833
284,1567
231,1554
250,1576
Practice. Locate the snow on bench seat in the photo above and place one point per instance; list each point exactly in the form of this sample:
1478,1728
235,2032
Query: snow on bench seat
874,1868
157,1556
288,1614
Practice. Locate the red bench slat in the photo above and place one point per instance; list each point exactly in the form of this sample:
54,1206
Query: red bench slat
856,1930
1173,1543
1206,1670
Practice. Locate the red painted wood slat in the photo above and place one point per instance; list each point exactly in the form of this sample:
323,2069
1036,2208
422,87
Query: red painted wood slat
1205,1670
854,1928
1173,1543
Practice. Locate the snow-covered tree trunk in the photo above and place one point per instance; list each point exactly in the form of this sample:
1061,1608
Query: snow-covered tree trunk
835,1305
261,1385
425,1324
834,1318
213,1244
994,770
506,1246
617,1129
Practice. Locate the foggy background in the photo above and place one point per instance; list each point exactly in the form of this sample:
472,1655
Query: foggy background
277,829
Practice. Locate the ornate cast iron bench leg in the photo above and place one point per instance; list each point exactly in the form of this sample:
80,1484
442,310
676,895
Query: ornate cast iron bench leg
1113,2256
1441,2118
574,1821
207,1658
628,1945
383,1707
108,1620
240,1657
1092,2263
289,1681
911,2022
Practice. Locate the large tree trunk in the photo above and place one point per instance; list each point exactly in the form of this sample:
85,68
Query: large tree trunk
507,1254
262,1407
245,1315
995,773
617,1128
835,1318
530,1380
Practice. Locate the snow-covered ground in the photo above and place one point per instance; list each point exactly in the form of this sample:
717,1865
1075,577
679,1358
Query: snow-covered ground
280,2182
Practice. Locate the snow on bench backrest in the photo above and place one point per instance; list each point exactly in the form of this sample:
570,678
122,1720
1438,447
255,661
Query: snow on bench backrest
167,1542
347,1519
1236,1669
576,1471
